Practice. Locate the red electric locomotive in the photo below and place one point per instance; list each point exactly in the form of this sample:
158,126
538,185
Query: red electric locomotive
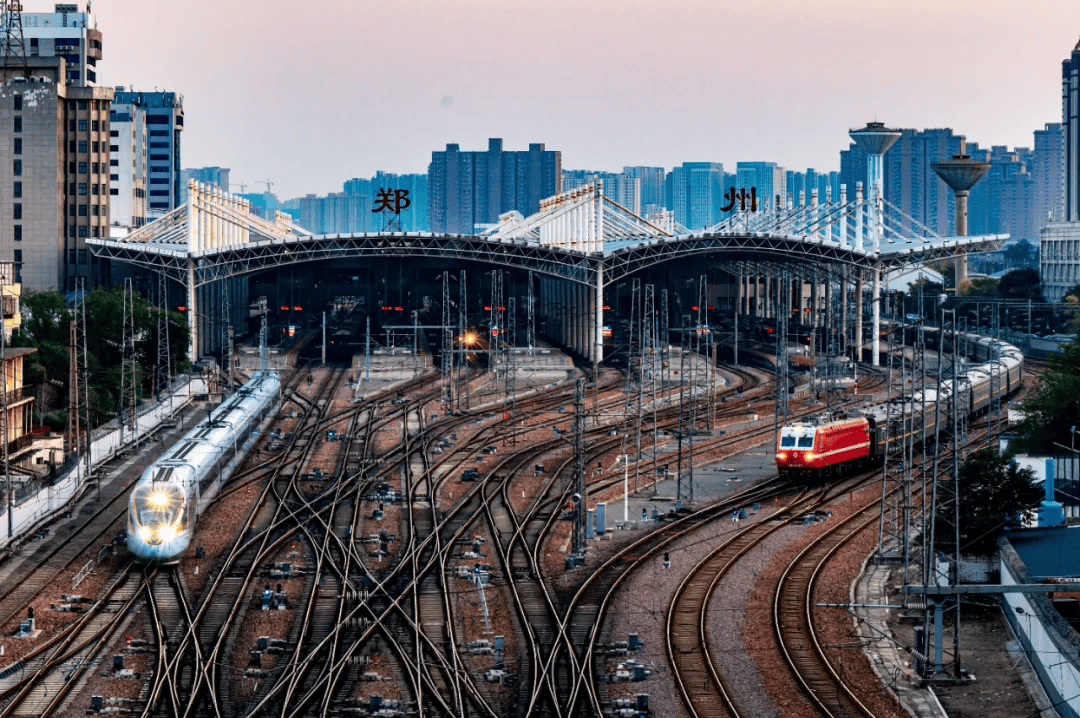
825,445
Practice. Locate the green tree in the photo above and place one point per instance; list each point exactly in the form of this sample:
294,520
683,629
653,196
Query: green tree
1021,284
982,288
995,494
1021,253
1054,405
46,326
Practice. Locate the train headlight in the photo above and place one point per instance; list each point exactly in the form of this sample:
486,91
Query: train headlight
158,499
167,533
782,456
144,533
809,456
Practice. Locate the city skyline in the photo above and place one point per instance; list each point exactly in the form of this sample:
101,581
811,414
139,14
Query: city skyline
380,92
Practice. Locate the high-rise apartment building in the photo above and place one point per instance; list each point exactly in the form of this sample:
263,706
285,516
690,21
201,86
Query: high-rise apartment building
913,187
470,188
69,34
164,123
1059,241
651,190
213,176
54,142
618,186
1070,118
697,194
1048,161
767,178
415,217
127,169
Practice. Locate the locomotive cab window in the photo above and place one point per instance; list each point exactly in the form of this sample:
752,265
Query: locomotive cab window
806,442
787,441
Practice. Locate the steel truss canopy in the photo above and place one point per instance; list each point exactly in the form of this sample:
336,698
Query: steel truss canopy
577,236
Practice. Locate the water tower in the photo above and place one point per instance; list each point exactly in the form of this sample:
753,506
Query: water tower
960,173
875,139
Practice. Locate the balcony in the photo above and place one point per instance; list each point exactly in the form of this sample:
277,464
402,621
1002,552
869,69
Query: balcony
19,396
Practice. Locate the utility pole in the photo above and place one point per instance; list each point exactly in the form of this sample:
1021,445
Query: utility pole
14,49
511,355
579,466
262,334
531,338
164,360
226,338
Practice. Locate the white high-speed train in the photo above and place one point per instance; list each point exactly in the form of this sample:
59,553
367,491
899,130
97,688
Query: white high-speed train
176,489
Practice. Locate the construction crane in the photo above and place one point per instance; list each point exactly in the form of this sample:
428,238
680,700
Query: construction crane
269,184
241,185
14,49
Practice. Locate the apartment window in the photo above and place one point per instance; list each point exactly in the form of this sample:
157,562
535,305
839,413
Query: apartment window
18,123
71,188
114,148
114,191
71,254
114,178
159,145
17,146
71,210
97,146
82,253
159,158
18,102
159,180
82,210
17,255
94,189
114,133
17,233
16,210
71,230
82,145
82,189
94,233
82,231
95,126
82,125
94,167
157,133
95,210
16,189
17,168
83,104
82,168
71,125
115,163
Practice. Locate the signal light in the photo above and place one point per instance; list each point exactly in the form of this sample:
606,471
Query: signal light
297,308
284,307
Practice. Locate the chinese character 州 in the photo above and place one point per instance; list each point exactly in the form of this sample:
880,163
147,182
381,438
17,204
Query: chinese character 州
392,200
741,197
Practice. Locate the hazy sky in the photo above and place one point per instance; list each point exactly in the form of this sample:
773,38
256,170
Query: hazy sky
309,94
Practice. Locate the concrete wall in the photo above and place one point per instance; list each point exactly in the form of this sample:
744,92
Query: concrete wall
1052,646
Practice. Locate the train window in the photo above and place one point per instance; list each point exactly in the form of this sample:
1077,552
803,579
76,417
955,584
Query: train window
787,441
806,442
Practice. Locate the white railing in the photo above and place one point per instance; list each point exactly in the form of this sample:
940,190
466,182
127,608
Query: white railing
34,510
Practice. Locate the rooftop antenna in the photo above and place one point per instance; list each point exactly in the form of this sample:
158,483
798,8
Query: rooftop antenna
14,50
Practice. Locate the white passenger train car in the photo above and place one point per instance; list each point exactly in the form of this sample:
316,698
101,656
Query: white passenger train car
175,489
